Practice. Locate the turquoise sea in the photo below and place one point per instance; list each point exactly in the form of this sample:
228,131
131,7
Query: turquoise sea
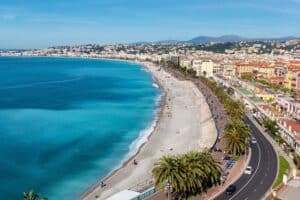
65,123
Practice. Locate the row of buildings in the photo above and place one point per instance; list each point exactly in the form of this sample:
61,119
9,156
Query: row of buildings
275,105
285,73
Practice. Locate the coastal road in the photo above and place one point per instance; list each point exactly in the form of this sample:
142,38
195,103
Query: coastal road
264,170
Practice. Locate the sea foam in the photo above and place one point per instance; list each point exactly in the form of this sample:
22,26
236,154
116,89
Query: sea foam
145,133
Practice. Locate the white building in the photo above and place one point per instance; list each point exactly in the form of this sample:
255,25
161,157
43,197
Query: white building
207,68
186,63
196,65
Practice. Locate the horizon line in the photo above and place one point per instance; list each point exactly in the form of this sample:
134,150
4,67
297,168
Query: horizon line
162,40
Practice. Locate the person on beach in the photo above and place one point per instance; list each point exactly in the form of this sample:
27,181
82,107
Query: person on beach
135,162
102,184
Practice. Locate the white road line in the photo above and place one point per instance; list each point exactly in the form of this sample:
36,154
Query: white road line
259,152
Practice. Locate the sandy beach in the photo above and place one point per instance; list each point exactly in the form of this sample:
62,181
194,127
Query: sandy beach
185,124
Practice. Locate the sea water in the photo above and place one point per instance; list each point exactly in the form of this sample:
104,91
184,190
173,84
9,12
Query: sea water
65,123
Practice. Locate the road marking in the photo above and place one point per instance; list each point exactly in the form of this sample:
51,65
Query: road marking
259,152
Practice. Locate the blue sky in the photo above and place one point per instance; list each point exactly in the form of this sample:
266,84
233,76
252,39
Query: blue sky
43,23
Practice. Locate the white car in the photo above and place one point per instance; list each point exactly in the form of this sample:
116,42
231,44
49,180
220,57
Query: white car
253,141
248,170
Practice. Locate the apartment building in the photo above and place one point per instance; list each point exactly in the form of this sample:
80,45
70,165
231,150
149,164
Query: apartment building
196,65
289,130
207,68
261,69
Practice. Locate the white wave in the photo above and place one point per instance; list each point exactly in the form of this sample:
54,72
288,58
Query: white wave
155,85
142,138
145,133
39,83
144,69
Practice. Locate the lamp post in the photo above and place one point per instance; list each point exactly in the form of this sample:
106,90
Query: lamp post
168,187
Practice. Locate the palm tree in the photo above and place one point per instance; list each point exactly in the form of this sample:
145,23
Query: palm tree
188,174
237,133
205,168
212,169
168,171
194,173
233,109
31,195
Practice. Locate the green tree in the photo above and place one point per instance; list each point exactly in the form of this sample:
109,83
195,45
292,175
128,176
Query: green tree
187,175
191,72
248,76
233,108
168,173
271,126
206,164
236,136
31,195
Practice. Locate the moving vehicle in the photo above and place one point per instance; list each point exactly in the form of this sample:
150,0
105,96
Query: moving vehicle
231,189
248,170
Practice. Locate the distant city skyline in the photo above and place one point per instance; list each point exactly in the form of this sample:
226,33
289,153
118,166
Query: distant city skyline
39,24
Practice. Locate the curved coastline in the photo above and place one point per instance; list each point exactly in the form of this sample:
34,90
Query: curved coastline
196,140
142,135
129,157
158,107
90,193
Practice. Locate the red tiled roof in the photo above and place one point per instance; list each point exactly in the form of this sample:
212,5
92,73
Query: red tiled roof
265,106
279,62
297,62
268,108
254,64
293,67
294,124
277,78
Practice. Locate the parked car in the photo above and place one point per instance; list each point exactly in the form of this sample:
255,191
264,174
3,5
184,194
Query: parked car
217,149
226,158
248,170
231,189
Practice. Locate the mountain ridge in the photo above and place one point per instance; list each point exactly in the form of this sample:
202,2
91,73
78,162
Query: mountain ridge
228,38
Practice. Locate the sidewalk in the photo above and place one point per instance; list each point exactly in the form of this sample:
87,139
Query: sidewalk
234,174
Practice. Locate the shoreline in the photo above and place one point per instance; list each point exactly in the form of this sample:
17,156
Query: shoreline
160,108
159,120
95,192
